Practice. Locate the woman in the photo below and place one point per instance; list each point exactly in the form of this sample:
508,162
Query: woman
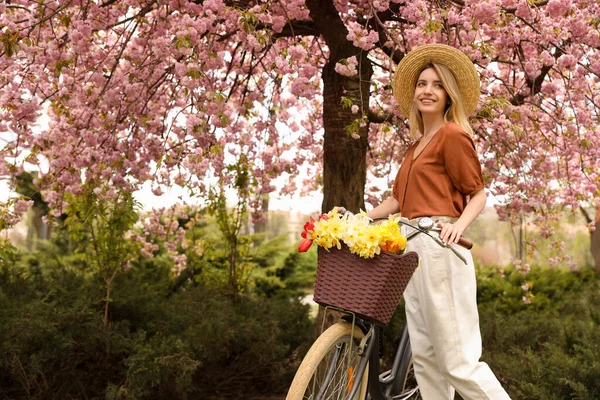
437,86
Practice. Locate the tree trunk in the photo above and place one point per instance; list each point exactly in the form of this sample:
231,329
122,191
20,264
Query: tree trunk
595,242
344,157
260,228
107,283
594,237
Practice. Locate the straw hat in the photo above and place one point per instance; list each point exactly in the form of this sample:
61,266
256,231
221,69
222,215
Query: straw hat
409,68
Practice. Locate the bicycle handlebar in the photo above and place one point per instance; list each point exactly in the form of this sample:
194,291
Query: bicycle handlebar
463,241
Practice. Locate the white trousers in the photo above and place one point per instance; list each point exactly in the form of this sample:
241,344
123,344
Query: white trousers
443,324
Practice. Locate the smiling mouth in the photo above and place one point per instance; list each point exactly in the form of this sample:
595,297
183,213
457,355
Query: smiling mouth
427,101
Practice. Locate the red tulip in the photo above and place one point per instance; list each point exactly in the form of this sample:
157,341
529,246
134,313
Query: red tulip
304,245
309,226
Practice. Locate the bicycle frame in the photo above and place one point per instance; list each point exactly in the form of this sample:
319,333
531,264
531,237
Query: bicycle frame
379,388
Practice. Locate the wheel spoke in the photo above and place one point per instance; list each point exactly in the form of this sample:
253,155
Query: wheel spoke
329,370
335,374
411,390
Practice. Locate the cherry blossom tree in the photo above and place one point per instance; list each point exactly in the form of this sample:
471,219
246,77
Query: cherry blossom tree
179,92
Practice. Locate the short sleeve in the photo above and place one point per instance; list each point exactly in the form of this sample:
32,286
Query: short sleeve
461,162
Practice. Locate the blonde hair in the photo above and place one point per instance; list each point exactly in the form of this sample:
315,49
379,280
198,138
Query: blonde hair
455,111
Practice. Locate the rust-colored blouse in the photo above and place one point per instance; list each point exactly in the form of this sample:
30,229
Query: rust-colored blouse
439,179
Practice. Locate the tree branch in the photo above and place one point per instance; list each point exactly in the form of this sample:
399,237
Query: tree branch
379,118
586,215
297,28
535,85
538,3
377,24
328,22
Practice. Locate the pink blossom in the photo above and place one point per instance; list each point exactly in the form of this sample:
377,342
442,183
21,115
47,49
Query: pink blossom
523,10
278,23
347,67
51,197
557,8
485,12
297,53
547,58
566,62
21,206
179,92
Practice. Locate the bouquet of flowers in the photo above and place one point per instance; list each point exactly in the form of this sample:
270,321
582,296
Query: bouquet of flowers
355,231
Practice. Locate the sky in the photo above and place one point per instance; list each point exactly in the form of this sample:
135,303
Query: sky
305,205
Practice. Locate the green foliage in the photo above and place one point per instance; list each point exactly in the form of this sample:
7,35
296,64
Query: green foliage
230,223
10,42
51,334
547,349
8,253
550,286
167,338
282,270
157,367
271,267
99,226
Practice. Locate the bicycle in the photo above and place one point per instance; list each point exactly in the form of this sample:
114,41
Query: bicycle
343,363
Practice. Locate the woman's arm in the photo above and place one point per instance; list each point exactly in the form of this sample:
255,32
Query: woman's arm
451,233
385,208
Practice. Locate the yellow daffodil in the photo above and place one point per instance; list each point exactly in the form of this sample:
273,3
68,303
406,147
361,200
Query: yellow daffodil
355,231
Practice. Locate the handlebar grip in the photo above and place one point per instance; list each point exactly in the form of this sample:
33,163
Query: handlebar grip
466,243
463,241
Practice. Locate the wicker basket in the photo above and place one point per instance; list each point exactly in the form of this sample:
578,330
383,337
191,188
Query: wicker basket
369,288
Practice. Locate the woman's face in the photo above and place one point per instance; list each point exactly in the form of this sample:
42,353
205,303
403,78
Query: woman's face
430,96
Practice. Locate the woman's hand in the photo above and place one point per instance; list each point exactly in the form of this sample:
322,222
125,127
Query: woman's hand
451,233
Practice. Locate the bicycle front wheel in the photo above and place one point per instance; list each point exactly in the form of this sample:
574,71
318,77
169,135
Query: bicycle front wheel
329,369
410,389
406,381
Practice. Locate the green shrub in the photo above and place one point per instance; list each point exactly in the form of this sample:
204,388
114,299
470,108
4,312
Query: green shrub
164,341
52,347
547,349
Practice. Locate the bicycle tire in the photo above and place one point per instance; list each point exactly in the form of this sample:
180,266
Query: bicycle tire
406,381
308,379
411,389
